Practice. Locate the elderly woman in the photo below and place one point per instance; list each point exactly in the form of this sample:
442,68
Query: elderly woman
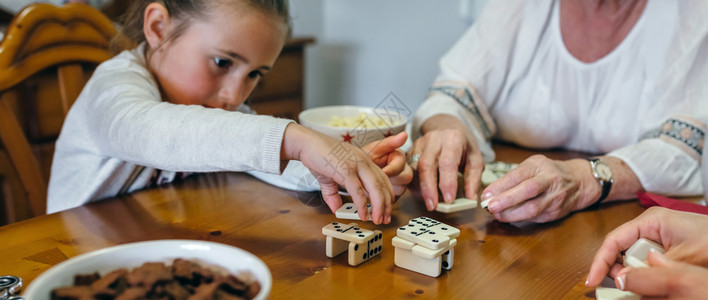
624,79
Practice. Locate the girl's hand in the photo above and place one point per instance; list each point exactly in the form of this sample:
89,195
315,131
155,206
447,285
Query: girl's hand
392,161
541,190
336,163
665,278
446,148
681,233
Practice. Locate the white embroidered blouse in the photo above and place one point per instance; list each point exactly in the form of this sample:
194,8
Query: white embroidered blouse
510,77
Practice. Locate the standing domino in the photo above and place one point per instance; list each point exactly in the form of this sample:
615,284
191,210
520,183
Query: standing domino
334,246
363,244
411,256
425,246
359,253
448,258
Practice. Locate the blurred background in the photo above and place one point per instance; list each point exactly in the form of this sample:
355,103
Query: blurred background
353,52
366,49
363,49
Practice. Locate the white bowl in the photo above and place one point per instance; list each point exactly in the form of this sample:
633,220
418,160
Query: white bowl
232,259
319,118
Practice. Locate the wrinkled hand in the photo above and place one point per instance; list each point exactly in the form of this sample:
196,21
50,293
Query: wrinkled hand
392,161
446,148
336,163
664,278
681,233
539,190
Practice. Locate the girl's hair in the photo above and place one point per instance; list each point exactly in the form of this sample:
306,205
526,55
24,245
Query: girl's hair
181,11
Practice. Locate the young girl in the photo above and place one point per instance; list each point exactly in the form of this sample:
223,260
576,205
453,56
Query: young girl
167,106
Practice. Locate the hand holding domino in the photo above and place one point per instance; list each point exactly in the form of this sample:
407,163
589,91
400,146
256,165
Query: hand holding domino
350,212
492,172
458,205
634,257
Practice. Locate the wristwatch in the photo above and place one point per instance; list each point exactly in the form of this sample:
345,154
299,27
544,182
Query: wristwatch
603,174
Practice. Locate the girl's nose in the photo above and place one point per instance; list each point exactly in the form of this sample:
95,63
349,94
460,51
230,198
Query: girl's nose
232,94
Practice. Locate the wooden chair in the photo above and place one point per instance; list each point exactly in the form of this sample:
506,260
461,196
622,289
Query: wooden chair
46,57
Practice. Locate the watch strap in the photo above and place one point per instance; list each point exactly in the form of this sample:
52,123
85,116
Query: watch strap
606,185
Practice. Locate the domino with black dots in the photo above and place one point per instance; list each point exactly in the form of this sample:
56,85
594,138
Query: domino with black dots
359,253
362,244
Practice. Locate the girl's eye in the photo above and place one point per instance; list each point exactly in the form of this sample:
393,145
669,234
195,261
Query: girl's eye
222,63
254,74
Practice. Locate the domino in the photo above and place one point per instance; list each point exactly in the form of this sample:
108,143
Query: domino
422,235
488,177
604,293
458,205
351,232
631,261
485,203
500,166
349,211
438,226
359,253
495,170
429,253
637,253
448,258
402,243
425,246
334,247
406,259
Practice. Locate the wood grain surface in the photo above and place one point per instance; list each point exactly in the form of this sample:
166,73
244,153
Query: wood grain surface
492,260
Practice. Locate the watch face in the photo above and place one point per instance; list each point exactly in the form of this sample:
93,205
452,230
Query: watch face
603,172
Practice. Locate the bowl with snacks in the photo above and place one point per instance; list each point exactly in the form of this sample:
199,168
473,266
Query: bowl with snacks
161,269
357,125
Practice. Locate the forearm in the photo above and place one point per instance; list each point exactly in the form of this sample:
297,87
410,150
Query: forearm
187,138
625,183
441,122
293,138
662,167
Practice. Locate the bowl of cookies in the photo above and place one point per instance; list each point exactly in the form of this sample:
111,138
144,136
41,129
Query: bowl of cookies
169,269
357,125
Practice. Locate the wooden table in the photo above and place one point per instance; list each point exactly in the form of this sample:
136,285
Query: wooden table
492,260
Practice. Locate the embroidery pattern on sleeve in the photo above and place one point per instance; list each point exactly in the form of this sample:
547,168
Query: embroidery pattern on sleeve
683,133
464,97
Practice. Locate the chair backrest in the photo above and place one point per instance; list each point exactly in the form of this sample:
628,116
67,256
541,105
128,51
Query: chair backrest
46,57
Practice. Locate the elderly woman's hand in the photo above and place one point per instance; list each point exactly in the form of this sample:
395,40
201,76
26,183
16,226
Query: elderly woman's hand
542,190
446,148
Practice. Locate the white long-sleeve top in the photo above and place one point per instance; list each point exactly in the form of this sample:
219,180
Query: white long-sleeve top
510,77
120,136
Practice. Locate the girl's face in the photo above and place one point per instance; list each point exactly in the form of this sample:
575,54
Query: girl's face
218,62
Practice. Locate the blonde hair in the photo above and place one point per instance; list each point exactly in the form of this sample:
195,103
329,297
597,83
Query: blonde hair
131,33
